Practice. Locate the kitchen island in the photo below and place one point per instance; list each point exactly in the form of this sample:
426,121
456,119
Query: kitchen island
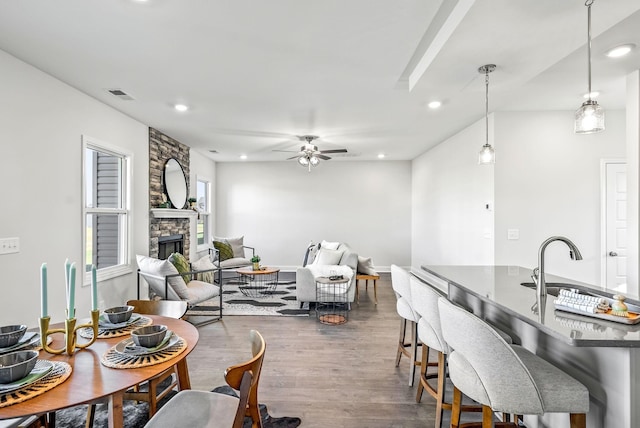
603,355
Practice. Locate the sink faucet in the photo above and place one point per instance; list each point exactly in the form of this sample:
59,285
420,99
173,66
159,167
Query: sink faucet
538,273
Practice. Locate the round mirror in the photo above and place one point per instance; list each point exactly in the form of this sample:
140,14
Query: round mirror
175,183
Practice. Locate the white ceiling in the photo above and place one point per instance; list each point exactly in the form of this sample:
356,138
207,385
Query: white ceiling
258,73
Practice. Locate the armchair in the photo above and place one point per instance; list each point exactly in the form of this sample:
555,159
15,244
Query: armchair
343,260
167,283
230,253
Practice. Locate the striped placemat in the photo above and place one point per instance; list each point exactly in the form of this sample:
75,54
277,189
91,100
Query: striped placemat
104,333
58,374
118,360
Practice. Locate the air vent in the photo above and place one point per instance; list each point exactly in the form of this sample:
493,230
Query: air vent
213,151
120,94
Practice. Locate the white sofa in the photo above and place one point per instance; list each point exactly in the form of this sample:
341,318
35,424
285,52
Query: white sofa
326,260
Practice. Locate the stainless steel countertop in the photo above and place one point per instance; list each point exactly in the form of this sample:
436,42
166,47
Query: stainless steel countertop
501,286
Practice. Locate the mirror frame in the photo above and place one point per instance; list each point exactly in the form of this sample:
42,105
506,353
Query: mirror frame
173,185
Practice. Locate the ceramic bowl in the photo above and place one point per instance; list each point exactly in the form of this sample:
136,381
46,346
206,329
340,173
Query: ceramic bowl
149,336
11,334
16,365
118,314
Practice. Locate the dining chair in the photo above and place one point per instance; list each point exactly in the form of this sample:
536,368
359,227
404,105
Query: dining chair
408,317
503,377
204,409
425,303
152,395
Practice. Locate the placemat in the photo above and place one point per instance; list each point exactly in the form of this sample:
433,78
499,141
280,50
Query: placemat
60,372
104,333
117,360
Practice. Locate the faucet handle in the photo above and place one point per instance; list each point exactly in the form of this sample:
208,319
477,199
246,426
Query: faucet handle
535,275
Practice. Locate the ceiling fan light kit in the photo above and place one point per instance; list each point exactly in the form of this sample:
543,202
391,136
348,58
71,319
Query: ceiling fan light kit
309,155
589,118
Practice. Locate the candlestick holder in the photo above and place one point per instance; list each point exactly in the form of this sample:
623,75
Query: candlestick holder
70,332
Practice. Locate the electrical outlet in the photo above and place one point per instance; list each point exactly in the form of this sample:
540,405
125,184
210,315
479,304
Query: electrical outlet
513,234
9,245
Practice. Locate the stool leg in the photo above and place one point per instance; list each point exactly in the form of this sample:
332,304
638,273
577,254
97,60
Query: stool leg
487,417
441,385
578,420
403,328
455,408
414,351
423,372
375,290
357,293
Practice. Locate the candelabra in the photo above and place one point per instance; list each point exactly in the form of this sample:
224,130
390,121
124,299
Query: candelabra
70,332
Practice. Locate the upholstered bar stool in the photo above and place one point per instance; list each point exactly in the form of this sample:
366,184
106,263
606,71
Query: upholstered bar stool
502,377
425,303
408,317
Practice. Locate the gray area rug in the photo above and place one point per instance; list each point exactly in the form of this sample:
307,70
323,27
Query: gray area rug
279,302
136,415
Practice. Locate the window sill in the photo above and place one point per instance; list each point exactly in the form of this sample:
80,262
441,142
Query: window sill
108,273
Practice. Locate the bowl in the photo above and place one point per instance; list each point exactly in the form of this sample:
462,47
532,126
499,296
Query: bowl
149,336
16,365
118,314
11,334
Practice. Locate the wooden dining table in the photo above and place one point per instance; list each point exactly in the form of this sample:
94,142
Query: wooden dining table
91,381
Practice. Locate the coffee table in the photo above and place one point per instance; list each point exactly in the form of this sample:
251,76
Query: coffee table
258,283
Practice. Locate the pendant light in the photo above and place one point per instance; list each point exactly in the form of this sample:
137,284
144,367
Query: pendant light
487,155
590,116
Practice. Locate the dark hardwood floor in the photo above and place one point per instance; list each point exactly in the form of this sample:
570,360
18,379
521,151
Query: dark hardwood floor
330,376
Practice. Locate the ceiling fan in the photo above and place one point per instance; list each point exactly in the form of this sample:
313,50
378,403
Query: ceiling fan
309,155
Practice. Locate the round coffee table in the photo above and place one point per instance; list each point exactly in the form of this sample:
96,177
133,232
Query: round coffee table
258,283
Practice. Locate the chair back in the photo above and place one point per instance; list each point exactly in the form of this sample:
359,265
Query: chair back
484,366
424,298
245,388
166,308
402,288
234,374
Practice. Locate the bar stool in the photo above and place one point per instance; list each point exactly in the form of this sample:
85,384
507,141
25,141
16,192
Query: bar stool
400,283
425,303
502,377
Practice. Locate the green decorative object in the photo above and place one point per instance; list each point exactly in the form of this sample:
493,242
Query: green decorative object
225,250
255,260
619,308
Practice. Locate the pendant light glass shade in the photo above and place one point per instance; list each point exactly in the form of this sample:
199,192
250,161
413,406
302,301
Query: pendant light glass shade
589,117
303,160
487,155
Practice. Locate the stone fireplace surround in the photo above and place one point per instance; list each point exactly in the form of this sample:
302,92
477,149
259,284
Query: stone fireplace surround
165,222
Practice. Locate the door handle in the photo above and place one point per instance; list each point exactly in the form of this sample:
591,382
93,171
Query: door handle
613,254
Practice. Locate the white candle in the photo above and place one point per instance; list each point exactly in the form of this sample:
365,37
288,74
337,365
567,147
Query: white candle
43,291
94,288
72,291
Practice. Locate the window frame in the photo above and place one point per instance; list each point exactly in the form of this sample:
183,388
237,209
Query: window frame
125,237
206,213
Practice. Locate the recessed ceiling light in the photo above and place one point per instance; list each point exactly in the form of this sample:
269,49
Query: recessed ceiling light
434,104
594,94
181,107
619,51
381,156
243,157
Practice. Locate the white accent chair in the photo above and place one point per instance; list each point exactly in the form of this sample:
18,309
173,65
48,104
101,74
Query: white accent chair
408,317
502,377
167,283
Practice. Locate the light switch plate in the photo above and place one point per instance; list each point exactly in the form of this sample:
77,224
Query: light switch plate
9,245
513,234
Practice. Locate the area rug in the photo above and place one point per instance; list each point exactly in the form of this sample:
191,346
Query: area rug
136,415
280,302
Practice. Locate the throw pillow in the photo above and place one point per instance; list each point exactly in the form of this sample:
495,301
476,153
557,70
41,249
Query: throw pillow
329,245
225,250
181,263
159,269
236,245
204,263
365,266
327,257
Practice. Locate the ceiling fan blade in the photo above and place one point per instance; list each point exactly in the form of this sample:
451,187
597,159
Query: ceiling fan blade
293,157
285,151
334,151
323,157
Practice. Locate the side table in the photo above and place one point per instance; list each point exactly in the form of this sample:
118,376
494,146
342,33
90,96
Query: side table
332,302
260,283
366,278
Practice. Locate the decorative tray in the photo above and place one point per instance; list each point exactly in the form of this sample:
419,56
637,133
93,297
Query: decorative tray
586,303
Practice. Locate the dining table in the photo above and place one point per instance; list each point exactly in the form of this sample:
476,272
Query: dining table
92,381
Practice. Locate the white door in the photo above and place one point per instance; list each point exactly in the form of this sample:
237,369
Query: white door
616,225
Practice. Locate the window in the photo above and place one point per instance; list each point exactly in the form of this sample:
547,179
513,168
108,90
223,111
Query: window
106,215
204,210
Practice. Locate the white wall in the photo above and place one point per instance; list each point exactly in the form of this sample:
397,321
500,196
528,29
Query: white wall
633,180
41,124
451,224
547,182
279,208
